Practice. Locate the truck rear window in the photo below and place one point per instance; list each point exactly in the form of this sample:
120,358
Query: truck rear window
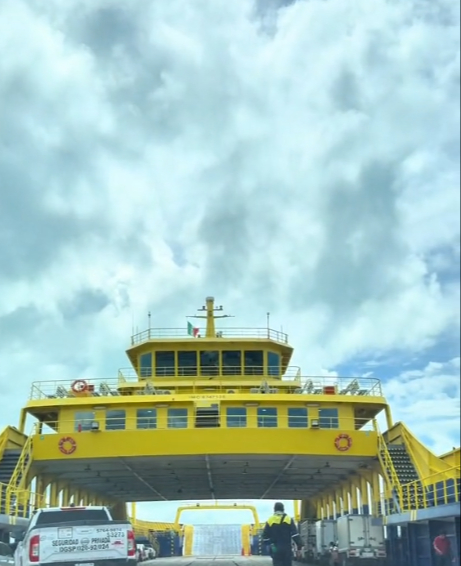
54,517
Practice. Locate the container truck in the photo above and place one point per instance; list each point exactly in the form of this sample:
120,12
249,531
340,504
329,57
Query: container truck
361,540
326,533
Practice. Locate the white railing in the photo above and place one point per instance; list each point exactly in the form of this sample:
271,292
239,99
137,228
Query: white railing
311,386
258,333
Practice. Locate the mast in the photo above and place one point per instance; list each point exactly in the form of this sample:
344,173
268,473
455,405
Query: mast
210,316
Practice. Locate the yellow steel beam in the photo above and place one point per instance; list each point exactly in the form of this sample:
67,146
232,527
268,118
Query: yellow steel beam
187,442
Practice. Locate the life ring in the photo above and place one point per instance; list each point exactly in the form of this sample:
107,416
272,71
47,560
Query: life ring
343,442
67,445
79,386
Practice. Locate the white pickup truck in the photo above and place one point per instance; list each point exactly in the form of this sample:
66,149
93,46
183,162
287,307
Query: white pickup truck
76,536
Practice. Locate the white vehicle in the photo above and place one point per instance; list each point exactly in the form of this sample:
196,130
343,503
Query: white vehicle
361,540
76,536
326,533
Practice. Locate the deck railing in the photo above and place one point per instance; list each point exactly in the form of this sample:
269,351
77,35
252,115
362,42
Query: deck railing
442,488
310,386
19,502
175,333
175,419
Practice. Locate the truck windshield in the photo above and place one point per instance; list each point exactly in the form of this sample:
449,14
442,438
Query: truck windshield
71,515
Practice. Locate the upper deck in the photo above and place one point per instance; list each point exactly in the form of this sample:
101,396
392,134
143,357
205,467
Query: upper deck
233,367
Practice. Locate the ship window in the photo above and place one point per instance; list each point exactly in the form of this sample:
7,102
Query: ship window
328,418
164,363
115,420
177,418
254,362
232,362
273,364
297,417
187,363
267,418
145,361
236,417
83,420
146,418
209,363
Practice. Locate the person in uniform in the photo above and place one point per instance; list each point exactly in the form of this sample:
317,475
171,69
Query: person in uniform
279,532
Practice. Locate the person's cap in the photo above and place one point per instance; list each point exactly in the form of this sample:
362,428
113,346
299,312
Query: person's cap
279,507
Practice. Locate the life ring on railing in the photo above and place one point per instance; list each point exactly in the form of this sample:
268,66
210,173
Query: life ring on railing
67,445
343,442
79,386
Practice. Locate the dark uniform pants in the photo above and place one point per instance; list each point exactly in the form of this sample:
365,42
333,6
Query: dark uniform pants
282,557
443,560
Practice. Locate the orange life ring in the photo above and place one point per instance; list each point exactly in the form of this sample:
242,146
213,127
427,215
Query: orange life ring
79,386
67,445
339,442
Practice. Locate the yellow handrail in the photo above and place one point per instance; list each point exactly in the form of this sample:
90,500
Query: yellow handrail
3,442
18,478
388,468
430,496
19,502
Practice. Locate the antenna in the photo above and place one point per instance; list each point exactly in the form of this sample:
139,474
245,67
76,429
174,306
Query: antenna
148,318
268,315
210,316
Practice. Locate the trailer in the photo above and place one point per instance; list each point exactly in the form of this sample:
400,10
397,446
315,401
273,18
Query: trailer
361,540
326,533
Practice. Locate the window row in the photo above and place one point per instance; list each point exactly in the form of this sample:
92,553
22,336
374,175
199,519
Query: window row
192,363
235,417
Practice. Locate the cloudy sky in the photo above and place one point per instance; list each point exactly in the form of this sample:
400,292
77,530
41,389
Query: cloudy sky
299,158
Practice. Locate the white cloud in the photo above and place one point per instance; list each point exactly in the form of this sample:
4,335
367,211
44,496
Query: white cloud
152,154
427,401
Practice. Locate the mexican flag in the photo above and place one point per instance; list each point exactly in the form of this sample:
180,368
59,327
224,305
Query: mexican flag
192,330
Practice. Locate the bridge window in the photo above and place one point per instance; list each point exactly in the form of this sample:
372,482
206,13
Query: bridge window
83,420
164,363
236,417
115,419
267,418
177,418
145,361
209,363
297,417
146,418
273,364
232,362
254,362
328,418
187,363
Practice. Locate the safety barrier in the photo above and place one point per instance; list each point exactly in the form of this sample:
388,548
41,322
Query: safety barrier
393,492
258,333
18,479
439,490
215,385
19,502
